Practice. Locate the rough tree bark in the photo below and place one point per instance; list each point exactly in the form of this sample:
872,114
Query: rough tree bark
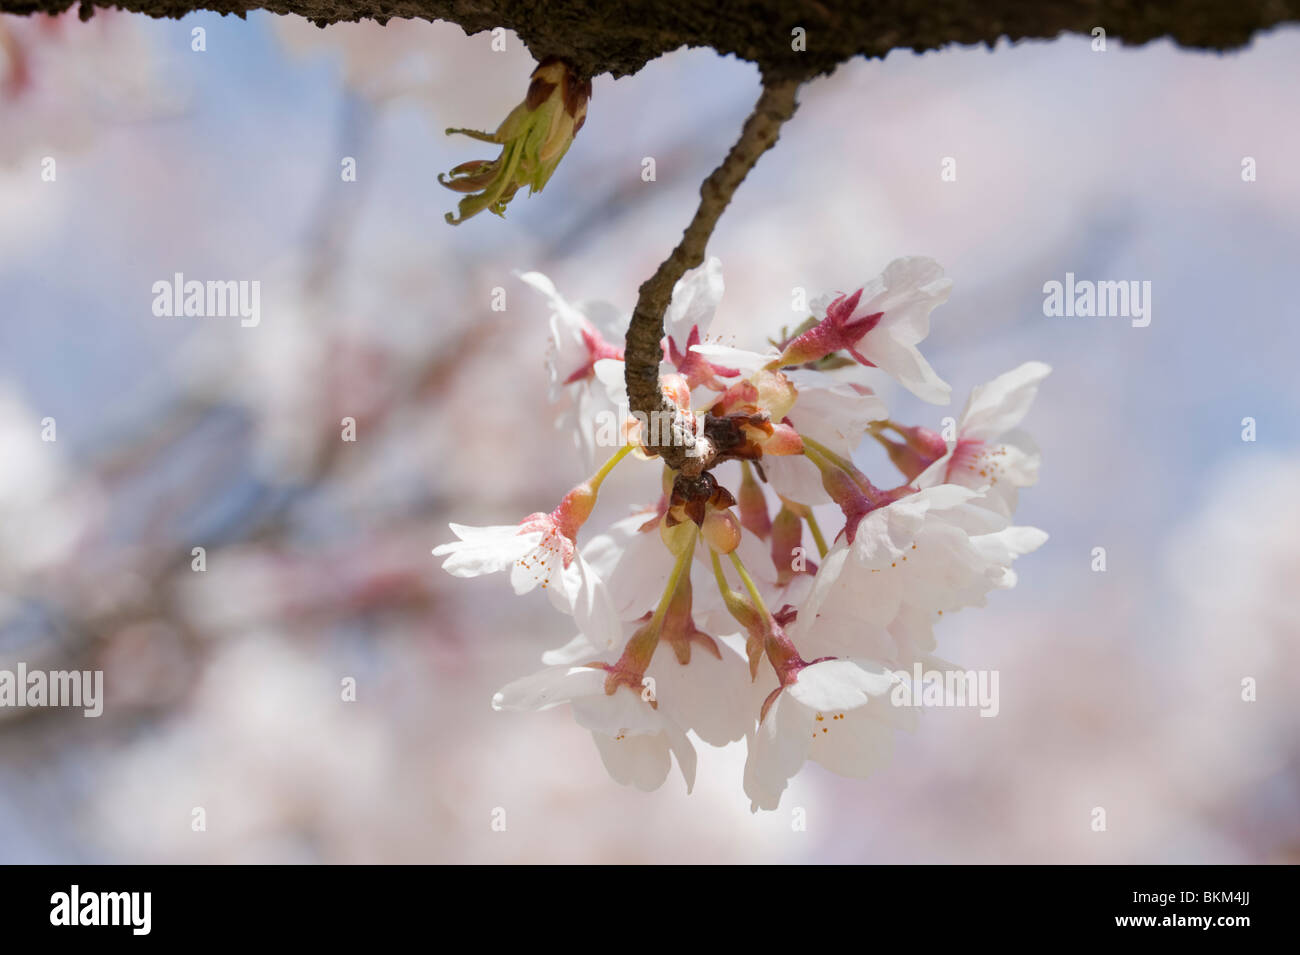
602,36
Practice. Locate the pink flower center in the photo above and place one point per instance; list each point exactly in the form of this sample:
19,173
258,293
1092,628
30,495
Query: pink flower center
597,349
556,549
693,366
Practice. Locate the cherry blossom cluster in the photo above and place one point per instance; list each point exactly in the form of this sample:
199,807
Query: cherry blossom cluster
723,611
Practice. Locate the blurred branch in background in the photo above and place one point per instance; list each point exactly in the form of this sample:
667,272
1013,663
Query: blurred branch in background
190,473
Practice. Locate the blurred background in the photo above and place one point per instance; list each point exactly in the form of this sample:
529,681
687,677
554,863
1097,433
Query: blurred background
1119,690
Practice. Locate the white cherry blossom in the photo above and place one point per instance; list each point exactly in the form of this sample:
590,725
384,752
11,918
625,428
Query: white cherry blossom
836,712
577,349
881,324
634,739
909,562
537,552
987,452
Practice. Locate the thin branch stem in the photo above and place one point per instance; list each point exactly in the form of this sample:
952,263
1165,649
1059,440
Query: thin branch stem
681,449
816,529
752,587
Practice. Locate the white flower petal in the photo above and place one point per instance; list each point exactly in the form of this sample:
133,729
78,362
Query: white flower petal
610,372
485,550
1001,404
681,747
745,361
695,299
838,685
550,687
625,711
777,750
854,745
592,607
579,650
905,364
837,414
796,478
713,697
907,291
568,349
637,760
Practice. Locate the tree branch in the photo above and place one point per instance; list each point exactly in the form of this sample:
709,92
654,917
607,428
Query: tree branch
597,37
677,445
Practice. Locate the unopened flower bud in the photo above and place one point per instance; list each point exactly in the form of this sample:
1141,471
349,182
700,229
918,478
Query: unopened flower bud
676,536
919,448
534,138
575,509
722,530
787,536
849,488
753,506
